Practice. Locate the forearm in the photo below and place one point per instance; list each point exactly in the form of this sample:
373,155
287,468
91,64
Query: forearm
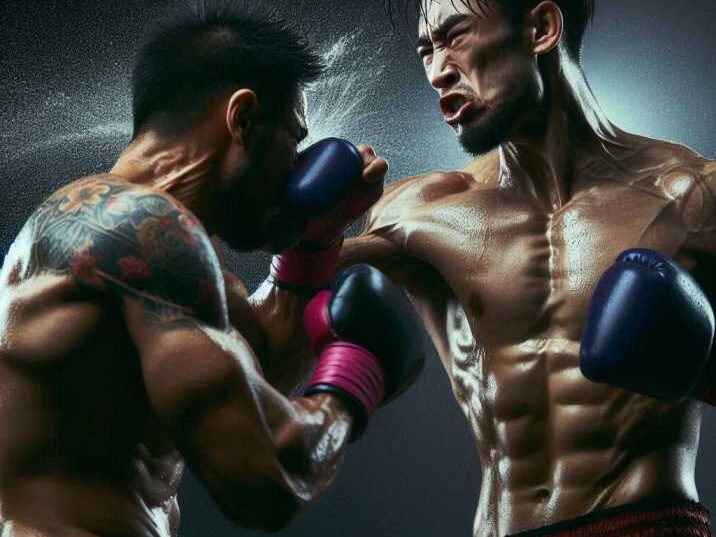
283,352
268,479
262,456
311,443
271,321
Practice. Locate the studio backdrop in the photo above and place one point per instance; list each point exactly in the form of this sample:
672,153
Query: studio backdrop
65,113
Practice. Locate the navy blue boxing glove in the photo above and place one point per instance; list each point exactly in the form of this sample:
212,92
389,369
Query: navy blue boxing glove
649,328
332,186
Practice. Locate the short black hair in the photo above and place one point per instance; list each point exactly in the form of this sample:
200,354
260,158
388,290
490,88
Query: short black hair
578,14
207,48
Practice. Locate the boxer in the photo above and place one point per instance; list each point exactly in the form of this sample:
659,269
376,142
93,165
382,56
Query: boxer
126,352
503,257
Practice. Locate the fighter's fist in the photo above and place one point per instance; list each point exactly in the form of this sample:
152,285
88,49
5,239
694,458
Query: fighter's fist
374,167
649,329
367,335
358,196
333,185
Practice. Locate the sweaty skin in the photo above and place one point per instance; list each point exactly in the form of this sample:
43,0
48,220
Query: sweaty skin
503,285
502,259
123,357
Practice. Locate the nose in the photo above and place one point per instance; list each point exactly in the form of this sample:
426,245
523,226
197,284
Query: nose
442,74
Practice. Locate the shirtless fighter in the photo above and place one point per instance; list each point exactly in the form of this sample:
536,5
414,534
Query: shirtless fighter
503,258
124,349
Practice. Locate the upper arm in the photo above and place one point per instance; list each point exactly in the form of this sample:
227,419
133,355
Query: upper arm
384,239
155,261
122,240
381,240
699,211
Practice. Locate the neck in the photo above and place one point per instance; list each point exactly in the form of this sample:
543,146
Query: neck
569,128
180,167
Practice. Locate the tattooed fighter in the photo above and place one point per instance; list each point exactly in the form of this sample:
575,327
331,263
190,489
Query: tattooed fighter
124,349
503,257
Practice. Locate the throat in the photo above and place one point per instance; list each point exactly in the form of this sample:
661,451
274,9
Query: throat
567,129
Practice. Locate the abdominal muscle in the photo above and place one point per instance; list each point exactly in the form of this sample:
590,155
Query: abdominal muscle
554,446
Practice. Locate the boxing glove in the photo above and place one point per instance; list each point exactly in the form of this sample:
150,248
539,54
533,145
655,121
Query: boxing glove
324,177
649,328
367,336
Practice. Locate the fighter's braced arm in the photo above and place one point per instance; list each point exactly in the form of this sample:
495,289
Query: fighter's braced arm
377,244
262,457
699,213
285,356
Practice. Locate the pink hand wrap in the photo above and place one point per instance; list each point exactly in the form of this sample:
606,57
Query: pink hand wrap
317,321
349,367
306,269
354,370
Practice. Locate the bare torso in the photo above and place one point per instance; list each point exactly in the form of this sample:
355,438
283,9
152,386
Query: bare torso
503,284
80,450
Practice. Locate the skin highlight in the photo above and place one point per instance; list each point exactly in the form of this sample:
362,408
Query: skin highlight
502,257
127,352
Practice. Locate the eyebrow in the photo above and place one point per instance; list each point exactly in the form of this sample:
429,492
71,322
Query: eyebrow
440,33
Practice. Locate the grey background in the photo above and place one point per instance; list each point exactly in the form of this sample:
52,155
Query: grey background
64,112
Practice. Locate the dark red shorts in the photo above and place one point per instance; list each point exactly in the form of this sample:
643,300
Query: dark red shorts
653,518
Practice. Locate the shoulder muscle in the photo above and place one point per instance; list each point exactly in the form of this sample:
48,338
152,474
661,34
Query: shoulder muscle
124,239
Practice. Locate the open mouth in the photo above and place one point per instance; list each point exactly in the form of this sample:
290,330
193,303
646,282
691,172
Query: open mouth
456,107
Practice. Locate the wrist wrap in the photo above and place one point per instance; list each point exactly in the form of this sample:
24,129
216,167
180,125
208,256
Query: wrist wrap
306,269
354,370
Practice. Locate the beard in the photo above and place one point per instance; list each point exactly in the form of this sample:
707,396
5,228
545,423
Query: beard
492,130
242,208
248,212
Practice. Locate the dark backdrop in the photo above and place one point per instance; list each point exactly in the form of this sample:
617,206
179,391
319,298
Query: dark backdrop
64,112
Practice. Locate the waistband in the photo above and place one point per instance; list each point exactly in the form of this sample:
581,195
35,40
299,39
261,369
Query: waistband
650,518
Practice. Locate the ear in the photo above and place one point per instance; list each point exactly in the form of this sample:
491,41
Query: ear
241,114
546,27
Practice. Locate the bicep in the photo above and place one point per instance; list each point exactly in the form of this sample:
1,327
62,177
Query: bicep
699,215
381,252
205,387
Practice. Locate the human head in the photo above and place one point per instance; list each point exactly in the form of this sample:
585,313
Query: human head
241,70
487,54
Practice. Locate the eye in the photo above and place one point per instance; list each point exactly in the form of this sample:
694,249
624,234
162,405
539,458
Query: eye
455,36
423,52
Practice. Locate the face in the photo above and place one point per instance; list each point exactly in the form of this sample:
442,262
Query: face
248,203
482,68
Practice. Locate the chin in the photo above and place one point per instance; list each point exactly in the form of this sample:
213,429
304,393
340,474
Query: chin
490,131
485,135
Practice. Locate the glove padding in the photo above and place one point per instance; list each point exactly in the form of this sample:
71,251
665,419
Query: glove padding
366,310
649,328
322,197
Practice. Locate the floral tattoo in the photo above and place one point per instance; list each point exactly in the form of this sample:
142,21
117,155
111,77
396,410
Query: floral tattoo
115,237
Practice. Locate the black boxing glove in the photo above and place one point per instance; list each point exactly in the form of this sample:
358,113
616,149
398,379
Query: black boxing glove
367,335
